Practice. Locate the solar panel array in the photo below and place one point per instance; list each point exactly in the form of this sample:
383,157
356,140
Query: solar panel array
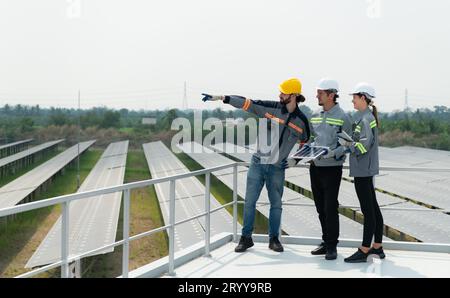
33,150
428,227
189,195
20,188
92,221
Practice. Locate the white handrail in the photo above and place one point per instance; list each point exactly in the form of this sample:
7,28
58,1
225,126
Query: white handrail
172,228
65,201
101,191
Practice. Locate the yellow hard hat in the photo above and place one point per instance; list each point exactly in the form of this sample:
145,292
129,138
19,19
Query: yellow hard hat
291,86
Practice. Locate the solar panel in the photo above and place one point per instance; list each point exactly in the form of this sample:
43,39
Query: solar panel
92,222
15,143
189,197
307,153
15,157
18,189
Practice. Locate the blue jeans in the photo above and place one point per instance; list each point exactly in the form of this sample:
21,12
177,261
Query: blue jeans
273,177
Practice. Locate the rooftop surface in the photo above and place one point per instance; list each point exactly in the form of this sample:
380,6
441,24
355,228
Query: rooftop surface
296,261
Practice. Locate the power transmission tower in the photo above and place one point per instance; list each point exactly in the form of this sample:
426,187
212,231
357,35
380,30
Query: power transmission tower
185,102
406,100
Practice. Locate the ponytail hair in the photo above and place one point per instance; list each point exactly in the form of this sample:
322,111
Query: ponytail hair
375,113
370,102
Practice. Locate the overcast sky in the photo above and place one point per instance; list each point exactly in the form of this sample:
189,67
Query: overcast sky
137,54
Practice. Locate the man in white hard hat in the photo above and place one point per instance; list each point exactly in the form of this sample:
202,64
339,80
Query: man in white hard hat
326,172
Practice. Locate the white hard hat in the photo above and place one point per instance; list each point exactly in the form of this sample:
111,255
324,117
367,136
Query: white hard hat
365,88
328,84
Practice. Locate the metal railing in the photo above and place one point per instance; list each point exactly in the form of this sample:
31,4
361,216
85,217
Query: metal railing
66,200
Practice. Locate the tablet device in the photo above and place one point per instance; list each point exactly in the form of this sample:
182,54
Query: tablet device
307,153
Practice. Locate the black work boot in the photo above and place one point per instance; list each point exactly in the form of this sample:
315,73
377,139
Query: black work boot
244,243
377,251
275,244
331,253
357,257
320,250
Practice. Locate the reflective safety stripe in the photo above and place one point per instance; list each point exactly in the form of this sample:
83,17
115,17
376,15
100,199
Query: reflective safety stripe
270,116
335,121
358,128
298,129
247,104
316,120
281,121
361,148
373,124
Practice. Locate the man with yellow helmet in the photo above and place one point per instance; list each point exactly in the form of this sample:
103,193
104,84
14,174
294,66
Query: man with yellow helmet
269,167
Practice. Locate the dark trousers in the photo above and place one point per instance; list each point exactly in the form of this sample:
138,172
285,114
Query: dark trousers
373,219
325,183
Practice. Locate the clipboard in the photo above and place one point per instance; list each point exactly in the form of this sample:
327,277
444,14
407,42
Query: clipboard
345,136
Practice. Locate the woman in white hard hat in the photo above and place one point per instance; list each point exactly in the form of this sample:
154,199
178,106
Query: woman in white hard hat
364,165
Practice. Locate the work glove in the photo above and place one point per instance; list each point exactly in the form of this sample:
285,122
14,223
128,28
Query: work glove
288,163
207,97
329,154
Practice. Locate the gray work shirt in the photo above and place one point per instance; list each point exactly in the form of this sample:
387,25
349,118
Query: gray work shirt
292,127
325,126
364,160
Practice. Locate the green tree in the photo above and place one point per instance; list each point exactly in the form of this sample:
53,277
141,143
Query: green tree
26,124
110,119
166,121
59,119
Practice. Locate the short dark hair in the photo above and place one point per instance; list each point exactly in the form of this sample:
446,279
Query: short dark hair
336,95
